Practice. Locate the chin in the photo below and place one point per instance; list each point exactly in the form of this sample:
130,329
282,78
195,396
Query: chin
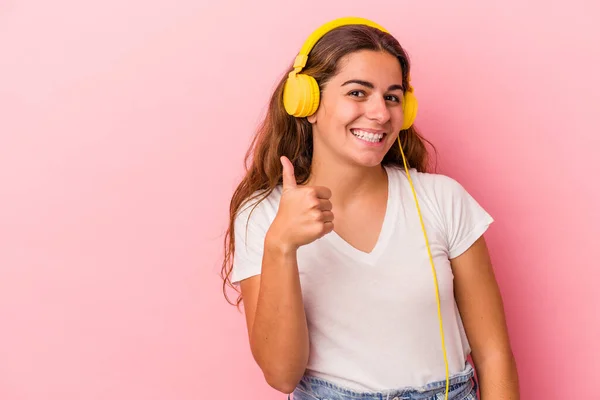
369,158
367,162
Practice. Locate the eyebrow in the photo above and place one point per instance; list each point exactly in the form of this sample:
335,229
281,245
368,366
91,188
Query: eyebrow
370,85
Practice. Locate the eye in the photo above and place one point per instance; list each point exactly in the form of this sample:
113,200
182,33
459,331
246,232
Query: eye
393,98
356,93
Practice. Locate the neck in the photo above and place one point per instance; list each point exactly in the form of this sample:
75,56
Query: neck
348,182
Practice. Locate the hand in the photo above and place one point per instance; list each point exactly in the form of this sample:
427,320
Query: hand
304,213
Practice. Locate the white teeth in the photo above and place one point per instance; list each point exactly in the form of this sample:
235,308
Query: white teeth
370,137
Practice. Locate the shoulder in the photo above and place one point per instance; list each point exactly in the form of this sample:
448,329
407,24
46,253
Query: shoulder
252,221
460,217
434,186
259,208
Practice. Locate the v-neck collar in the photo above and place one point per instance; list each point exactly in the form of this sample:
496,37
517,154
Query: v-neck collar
385,233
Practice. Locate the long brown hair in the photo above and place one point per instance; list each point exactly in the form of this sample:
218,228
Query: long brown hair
282,134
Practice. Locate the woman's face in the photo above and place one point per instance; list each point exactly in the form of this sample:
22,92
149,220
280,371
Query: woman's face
360,112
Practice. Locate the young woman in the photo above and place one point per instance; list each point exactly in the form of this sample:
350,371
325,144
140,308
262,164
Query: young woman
363,275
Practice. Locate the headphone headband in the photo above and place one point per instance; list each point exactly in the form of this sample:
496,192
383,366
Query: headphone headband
302,56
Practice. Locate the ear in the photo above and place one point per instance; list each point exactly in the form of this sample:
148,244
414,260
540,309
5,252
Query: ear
312,118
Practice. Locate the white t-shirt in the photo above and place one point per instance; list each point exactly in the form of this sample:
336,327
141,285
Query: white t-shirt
372,317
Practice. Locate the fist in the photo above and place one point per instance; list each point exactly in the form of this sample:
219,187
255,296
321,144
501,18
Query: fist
304,213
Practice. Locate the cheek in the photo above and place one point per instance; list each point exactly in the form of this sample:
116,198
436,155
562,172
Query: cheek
348,111
397,116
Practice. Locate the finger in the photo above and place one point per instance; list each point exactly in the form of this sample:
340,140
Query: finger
327,227
323,192
327,216
289,180
324,205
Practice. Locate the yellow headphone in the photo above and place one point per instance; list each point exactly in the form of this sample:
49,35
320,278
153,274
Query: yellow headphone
301,91
301,99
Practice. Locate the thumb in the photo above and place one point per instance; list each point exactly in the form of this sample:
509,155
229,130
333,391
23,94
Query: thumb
289,180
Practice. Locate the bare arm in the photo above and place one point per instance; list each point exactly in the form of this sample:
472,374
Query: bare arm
275,318
275,314
480,304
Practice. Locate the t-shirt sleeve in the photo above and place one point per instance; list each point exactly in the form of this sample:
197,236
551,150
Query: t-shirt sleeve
250,227
465,220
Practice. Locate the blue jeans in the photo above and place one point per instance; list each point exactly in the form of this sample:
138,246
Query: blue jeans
462,386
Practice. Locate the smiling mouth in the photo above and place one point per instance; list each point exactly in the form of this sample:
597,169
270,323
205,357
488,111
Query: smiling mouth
368,136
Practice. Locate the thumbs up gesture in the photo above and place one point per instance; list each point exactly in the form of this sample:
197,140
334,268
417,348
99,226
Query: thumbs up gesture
304,213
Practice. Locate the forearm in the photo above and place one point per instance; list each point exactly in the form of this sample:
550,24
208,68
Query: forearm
498,378
279,336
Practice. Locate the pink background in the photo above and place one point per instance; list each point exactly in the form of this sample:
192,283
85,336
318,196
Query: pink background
117,118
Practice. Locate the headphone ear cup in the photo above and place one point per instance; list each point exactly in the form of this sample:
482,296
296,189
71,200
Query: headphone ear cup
301,95
410,109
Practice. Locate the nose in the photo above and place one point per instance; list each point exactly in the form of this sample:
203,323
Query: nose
377,110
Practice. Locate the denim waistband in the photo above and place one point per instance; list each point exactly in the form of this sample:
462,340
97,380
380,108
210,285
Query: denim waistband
460,385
